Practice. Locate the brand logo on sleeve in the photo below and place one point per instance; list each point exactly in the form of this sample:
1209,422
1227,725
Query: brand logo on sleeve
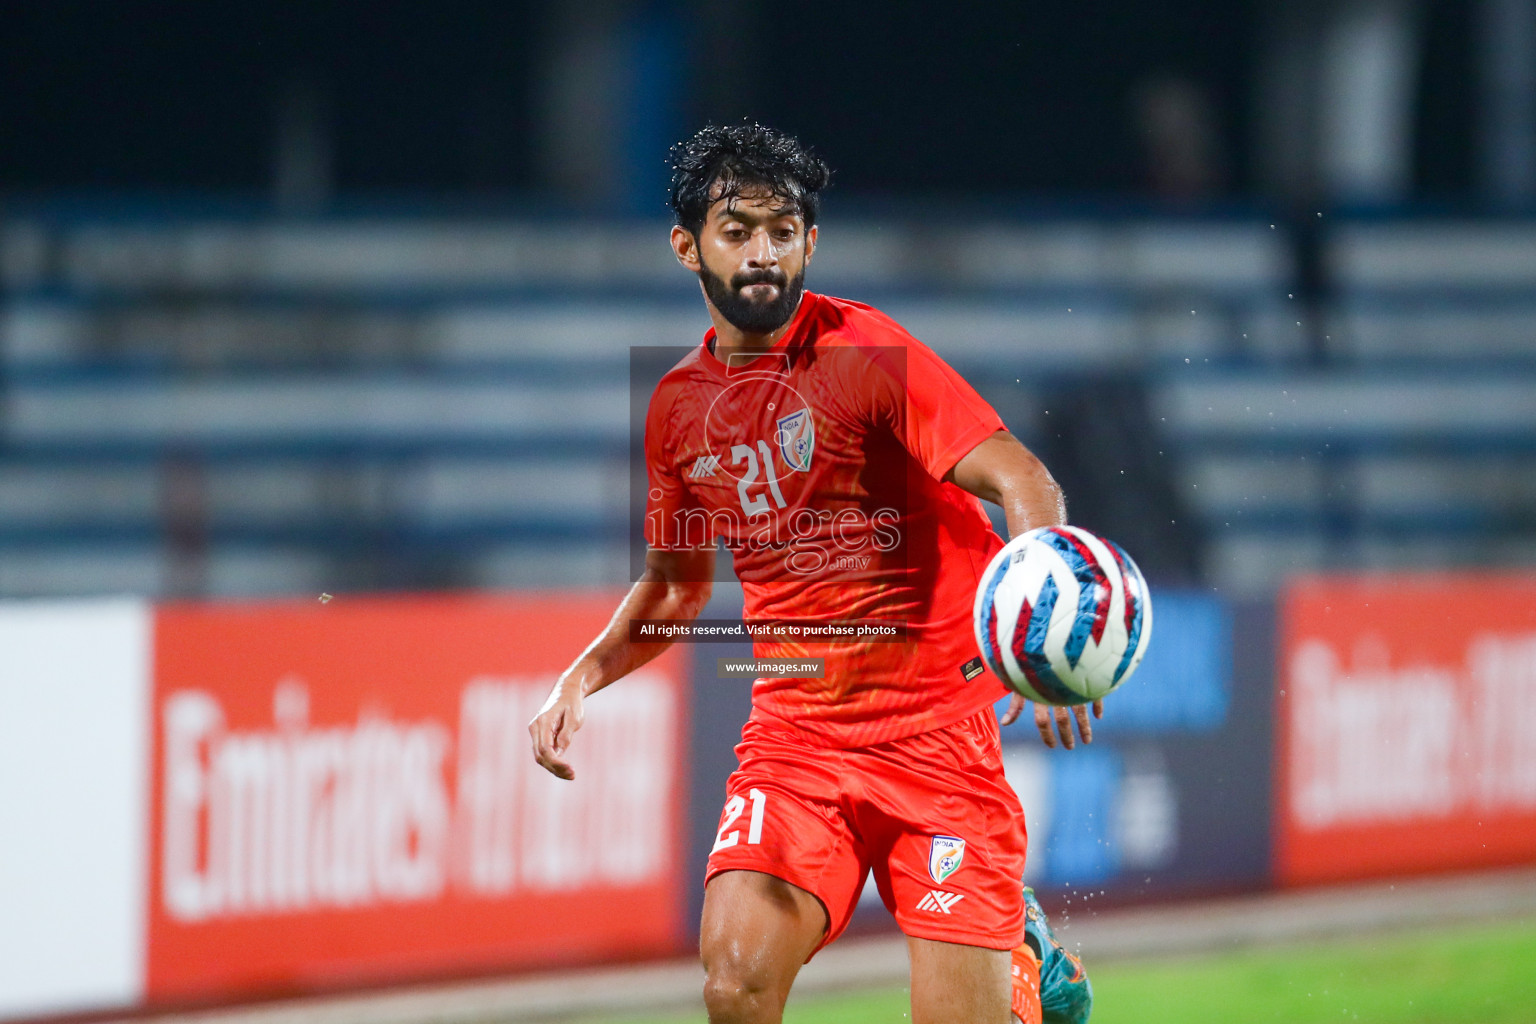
971,669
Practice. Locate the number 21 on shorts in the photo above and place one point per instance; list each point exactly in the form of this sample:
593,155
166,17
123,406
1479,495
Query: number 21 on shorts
733,808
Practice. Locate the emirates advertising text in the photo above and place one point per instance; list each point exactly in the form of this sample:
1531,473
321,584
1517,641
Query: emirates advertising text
242,800
345,793
1405,713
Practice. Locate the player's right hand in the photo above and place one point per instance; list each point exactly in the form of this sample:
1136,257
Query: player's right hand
554,726
1062,718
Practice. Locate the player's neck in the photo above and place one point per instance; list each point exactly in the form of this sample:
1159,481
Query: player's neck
731,340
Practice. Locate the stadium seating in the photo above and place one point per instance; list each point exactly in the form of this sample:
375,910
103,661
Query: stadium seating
1409,443
215,401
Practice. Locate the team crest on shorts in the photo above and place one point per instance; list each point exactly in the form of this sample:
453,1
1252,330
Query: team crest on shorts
797,439
944,857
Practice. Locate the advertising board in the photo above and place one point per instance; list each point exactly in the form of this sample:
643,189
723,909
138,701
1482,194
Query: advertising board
345,792
1405,711
1171,797
214,802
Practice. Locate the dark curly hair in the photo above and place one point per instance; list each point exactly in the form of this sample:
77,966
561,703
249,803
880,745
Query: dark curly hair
741,158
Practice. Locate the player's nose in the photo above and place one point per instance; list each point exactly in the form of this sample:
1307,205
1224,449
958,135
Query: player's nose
760,250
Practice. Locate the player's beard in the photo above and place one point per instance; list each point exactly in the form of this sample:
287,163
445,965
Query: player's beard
747,315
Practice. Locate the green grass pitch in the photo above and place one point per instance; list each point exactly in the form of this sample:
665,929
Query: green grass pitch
1479,974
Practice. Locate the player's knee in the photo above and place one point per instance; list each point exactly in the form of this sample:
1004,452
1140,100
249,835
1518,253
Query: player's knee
730,999
738,991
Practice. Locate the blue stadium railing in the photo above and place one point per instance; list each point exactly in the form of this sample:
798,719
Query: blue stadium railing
1125,296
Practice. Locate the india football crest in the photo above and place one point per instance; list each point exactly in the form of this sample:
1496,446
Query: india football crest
797,439
944,857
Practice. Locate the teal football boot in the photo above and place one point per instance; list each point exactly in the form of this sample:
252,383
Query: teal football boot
1066,995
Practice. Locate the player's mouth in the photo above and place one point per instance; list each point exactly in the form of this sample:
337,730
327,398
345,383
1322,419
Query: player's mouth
762,291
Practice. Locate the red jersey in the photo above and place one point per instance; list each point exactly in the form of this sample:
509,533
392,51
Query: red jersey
819,464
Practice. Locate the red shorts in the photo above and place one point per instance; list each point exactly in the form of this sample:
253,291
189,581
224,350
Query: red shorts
931,815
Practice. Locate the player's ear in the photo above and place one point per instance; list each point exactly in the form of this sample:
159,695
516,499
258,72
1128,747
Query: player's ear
810,243
685,247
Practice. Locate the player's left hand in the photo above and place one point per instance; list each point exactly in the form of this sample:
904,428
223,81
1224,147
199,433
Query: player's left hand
1052,720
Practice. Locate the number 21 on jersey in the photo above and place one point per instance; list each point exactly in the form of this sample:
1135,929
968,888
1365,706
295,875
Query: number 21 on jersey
733,808
755,505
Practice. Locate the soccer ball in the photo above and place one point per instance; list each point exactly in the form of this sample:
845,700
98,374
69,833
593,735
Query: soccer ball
1062,615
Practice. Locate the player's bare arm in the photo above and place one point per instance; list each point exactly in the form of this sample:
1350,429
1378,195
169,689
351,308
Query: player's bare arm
675,585
1001,470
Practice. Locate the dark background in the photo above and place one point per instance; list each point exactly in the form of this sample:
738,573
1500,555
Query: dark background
971,99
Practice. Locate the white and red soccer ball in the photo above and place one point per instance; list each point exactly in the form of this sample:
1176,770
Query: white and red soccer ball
1062,615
